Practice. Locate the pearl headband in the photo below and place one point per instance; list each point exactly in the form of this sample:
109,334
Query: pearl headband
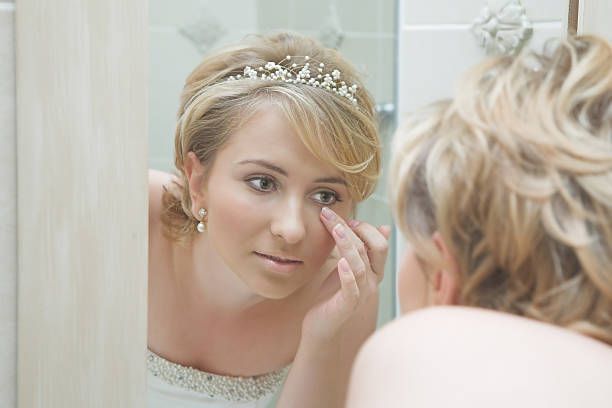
277,72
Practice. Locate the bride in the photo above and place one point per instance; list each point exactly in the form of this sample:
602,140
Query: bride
257,273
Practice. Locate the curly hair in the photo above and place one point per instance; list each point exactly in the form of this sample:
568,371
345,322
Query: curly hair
515,174
335,130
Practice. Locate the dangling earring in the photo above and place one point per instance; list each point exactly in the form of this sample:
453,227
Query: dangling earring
202,224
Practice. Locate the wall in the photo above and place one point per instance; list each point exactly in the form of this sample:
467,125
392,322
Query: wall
179,35
8,211
594,18
436,45
82,198
182,34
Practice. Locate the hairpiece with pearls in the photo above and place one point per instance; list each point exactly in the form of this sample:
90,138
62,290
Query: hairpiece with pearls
309,74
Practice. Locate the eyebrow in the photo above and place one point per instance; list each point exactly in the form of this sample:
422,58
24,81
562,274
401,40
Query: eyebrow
270,166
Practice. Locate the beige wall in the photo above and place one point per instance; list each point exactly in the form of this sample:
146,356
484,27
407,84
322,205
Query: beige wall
8,212
594,17
82,162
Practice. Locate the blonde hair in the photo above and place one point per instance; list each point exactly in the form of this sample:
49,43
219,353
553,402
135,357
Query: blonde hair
515,174
334,129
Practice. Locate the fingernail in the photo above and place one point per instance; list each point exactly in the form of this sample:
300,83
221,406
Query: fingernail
339,231
327,213
353,223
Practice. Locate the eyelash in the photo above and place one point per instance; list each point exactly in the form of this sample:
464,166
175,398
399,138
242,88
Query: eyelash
336,198
260,178
252,181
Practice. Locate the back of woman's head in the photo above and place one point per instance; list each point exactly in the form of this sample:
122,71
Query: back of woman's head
219,98
515,174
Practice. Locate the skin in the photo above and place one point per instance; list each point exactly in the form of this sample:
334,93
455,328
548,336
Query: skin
263,190
470,357
412,284
418,288
436,355
219,306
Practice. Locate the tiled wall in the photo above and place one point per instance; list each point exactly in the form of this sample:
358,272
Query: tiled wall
8,211
173,55
436,45
367,29
367,33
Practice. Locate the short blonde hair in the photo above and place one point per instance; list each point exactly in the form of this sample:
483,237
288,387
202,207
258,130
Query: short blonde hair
515,173
334,129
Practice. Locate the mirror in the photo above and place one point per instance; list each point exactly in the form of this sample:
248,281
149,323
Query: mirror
363,31
181,34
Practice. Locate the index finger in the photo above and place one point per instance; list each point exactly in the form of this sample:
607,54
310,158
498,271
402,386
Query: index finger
385,230
331,219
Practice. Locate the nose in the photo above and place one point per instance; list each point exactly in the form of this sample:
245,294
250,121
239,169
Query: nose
288,222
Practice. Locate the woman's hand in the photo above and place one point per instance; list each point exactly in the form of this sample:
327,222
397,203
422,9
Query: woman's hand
359,263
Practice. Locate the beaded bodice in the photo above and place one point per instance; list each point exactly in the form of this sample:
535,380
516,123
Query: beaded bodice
215,386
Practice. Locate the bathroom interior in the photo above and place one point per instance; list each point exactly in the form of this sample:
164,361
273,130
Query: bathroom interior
409,52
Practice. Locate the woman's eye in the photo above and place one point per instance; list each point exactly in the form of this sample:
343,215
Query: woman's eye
326,197
262,183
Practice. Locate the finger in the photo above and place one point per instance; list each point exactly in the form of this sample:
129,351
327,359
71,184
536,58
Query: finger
335,253
350,245
342,304
374,238
385,230
377,245
332,259
352,252
349,289
331,220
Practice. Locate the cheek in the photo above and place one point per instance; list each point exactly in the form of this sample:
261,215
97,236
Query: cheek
412,283
232,215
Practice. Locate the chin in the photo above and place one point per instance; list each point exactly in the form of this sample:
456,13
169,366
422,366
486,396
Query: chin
275,292
273,282
274,288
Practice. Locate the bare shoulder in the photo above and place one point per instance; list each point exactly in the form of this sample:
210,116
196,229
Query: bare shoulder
474,357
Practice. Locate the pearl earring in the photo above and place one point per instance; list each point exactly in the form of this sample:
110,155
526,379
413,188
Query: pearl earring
202,224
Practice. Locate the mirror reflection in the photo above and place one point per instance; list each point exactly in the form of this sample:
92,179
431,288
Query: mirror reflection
269,252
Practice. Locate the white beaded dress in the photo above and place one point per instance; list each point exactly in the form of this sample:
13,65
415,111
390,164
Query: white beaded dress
171,385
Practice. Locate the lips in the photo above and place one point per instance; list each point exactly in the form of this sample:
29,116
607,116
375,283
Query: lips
279,259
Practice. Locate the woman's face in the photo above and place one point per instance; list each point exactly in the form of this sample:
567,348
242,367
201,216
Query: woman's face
264,195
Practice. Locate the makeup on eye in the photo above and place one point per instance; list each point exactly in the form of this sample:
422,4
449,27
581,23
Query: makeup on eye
273,167
335,197
266,184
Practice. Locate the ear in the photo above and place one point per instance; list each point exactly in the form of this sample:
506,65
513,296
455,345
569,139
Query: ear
445,283
195,172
